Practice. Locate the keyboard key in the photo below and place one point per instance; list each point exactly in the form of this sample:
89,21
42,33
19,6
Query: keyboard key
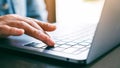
66,40
84,43
49,47
78,40
58,49
71,43
70,50
78,46
44,47
65,46
60,42
56,45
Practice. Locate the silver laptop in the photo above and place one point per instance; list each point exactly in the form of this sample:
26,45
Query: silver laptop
76,42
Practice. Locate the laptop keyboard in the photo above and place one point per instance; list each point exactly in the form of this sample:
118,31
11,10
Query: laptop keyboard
73,43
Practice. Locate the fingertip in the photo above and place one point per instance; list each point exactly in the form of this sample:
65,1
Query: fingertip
53,27
47,40
21,31
49,27
51,43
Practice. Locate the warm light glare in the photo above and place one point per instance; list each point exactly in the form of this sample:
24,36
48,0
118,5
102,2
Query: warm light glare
78,11
90,0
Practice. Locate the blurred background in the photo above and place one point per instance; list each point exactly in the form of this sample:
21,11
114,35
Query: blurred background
74,10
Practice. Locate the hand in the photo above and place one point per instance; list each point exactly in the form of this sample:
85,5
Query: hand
16,25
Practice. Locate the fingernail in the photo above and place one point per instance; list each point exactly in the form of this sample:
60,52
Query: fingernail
46,39
50,42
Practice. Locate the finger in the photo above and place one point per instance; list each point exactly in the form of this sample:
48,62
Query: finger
25,19
12,18
35,24
45,26
31,31
32,23
7,31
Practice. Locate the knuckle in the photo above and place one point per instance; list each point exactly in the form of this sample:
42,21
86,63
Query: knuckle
34,32
20,23
11,30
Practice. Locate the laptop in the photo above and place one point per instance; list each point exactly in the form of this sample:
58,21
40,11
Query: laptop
76,42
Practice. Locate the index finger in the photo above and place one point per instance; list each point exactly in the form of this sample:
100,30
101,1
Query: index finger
34,32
